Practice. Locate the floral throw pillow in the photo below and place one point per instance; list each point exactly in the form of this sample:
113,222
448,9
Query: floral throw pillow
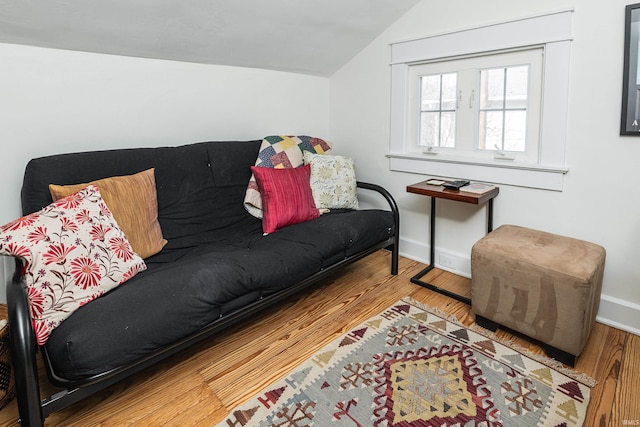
333,181
73,251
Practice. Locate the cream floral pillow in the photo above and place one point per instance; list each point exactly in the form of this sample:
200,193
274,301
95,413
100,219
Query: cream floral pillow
333,181
73,251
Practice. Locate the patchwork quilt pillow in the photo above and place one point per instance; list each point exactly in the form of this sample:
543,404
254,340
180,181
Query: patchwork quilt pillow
286,196
74,251
280,152
333,181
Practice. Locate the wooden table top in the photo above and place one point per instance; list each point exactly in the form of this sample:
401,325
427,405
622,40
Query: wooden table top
444,193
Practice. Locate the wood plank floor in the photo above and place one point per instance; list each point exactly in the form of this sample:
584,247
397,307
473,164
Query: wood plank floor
199,387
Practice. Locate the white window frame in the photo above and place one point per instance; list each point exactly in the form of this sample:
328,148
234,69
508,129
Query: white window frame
550,31
468,102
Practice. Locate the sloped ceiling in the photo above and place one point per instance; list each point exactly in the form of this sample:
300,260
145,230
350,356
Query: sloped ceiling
304,36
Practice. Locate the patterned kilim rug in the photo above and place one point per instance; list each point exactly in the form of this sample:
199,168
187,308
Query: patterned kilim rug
411,366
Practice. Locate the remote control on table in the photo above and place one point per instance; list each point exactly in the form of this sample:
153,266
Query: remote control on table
455,185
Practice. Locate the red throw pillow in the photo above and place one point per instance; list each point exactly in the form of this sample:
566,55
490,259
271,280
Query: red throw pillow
286,196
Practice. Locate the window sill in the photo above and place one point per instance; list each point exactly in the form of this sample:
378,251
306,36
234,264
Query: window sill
498,171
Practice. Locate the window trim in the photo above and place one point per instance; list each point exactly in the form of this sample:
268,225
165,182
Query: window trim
553,32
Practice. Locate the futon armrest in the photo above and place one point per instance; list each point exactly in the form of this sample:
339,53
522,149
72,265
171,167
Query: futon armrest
23,350
394,247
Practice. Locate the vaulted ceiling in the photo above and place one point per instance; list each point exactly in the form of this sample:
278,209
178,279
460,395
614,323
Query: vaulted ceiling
304,36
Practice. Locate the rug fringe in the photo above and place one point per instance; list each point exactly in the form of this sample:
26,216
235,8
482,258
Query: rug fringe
545,360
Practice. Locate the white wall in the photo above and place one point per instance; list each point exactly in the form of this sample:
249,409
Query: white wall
592,206
55,101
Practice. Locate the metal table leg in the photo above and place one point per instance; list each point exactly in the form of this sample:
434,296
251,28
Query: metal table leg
432,254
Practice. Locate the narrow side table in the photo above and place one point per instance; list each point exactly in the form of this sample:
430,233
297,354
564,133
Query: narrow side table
439,192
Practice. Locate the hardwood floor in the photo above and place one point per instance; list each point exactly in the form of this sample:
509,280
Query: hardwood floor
200,387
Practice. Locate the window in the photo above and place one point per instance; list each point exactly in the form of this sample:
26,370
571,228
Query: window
487,104
484,106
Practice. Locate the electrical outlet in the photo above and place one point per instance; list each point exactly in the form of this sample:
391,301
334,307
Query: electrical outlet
447,261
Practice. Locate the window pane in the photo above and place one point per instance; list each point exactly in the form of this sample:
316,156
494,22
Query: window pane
438,110
448,129
515,128
490,130
517,85
429,129
503,96
430,92
449,89
492,88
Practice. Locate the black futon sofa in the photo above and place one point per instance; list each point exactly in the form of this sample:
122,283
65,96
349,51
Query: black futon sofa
217,268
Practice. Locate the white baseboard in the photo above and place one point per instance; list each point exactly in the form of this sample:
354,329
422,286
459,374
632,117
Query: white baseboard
453,262
613,312
619,314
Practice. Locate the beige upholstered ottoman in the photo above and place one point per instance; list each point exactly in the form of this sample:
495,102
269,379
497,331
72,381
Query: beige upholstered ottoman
542,285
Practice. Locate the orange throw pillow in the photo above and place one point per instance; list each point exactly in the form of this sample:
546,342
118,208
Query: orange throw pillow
133,201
